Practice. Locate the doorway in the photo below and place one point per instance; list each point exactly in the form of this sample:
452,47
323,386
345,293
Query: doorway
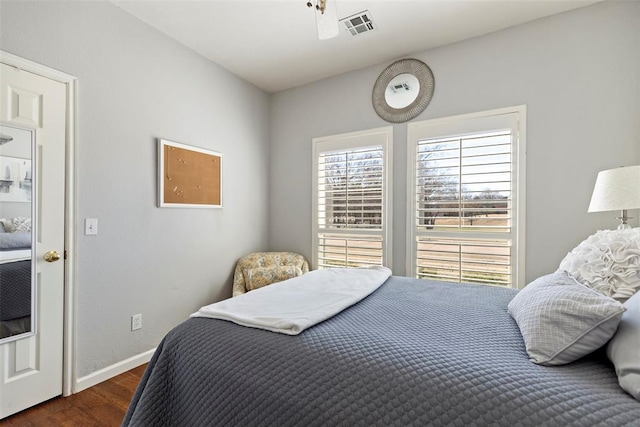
37,205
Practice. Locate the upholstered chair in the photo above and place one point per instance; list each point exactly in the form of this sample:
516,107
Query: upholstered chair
260,269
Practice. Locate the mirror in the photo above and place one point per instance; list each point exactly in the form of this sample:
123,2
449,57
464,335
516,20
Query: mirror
17,284
403,90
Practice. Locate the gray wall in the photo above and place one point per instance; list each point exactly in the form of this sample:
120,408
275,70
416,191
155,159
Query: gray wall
576,72
10,210
135,85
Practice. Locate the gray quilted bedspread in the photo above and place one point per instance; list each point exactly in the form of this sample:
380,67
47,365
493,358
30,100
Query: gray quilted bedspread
15,290
412,353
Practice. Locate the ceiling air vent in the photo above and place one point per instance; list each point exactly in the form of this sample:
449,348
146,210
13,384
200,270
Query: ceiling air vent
358,23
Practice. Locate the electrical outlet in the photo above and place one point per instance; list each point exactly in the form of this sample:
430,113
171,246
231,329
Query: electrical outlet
136,322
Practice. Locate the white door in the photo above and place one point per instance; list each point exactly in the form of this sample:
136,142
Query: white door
31,364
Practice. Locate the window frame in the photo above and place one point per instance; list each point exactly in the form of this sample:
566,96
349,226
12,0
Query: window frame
382,136
469,124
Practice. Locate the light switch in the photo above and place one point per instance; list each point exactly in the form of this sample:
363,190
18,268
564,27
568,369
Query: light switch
90,226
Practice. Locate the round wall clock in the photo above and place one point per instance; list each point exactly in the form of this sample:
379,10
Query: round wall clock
403,90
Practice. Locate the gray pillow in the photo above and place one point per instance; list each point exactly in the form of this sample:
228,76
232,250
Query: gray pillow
15,241
624,348
562,320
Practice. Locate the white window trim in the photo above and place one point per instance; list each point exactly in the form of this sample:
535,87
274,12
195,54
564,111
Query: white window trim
366,138
460,124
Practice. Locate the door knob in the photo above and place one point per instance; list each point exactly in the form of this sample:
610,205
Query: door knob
51,256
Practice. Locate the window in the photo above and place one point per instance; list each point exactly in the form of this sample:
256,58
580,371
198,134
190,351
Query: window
351,199
466,198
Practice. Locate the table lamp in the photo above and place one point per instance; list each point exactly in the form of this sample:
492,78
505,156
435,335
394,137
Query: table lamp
617,190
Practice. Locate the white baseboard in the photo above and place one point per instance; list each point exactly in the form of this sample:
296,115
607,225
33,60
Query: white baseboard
112,371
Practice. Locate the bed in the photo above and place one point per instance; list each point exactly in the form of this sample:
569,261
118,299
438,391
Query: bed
15,283
413,352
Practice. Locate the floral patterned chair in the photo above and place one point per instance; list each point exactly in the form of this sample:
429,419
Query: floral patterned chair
260,269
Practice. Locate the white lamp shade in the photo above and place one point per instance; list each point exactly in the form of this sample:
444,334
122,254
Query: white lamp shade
616,189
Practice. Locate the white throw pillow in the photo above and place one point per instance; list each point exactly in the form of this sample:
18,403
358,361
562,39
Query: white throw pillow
13,225
624,348
562,320
608,261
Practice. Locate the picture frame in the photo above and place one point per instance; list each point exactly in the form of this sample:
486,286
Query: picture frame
15,179
188,176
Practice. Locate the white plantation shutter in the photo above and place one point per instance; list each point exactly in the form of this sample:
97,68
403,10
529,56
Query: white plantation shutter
351,199
465,200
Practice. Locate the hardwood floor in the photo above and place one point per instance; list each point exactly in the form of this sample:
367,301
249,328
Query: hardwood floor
102,405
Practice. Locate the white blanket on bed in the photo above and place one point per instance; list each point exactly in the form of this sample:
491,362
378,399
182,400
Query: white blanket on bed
291,306
17,255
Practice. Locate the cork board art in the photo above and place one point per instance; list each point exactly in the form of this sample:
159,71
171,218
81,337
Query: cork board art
188,176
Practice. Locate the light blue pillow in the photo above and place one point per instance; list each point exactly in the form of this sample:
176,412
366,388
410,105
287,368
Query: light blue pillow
624,348
562,320
15,241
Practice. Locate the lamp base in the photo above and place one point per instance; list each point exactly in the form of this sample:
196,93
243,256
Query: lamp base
623,220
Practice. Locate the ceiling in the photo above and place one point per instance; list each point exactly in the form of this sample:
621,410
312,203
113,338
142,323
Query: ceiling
274,43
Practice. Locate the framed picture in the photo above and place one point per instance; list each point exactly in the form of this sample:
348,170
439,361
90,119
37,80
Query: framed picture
188,177
15,179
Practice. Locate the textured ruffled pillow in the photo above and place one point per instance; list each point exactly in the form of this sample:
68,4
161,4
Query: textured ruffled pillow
13,225
608,262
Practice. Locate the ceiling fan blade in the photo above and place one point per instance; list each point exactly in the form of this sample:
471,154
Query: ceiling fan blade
327,21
